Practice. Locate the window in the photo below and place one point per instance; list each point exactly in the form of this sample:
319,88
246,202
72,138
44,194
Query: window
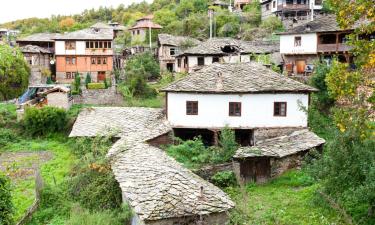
172,51
191,108
234,108
200,61
99,61
87,44
96,44
93,60
70,45
69,75
91,44
105,44
215,59
74,59
274,4
67,60
178,63
109,44
268,7
138,32
100,44
279,109
297,41
104,60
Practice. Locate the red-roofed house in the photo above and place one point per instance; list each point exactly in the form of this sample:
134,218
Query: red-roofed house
140,28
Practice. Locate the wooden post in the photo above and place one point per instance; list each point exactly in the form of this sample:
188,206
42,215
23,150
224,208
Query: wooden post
216,137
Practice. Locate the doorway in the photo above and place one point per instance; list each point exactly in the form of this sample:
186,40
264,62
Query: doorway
301,65
101,76
170,67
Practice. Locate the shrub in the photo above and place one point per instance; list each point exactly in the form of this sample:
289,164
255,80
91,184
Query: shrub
139,87
324,101
144,62
6,205
77,83
44,120
105,84
224,179
96,86
7,136
87,79
8,115
228,146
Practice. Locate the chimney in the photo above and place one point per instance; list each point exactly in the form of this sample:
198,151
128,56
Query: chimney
219,81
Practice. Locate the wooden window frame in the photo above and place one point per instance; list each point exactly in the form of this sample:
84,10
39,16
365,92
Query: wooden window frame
100,44
274,109
297,43
192,104
215,59
99,61
96,44
172,51
87,44
69,75
93,60
234,105
70,45
73,60
109,44
104,61
68,61
92,44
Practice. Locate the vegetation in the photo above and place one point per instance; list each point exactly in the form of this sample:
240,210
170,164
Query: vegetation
14,73
224,179
95,86
6,205
44,121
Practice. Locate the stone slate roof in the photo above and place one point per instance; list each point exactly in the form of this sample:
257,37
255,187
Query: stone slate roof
34,49
88,34
326,23
214,46
155,185
146,22
282,146
40,37
236,78
167,39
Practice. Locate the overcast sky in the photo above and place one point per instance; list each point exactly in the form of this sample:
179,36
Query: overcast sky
20,9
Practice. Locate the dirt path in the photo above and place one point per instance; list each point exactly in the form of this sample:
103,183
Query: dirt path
21,165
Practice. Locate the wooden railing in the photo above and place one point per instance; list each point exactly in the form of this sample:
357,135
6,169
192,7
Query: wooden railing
337,47
293,6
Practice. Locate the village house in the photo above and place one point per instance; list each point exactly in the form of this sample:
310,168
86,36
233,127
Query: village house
221,4
39,60
88,51
159,190
240,4
223,50
254,101
169,47
321,39
297,10
43,40
142,27
7,35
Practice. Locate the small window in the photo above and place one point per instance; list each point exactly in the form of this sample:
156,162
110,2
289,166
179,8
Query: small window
96,44
234,108
104,60
200,61
172,51
138,32
99,61
93,61
274,4
91,44
105,44
268,7
69,75
67,60
74,59
191,108
70,45
297,41
178,63
279,109
87,44
109,44
100,44
215,59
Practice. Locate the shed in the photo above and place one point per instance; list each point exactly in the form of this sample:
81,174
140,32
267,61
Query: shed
274,156
58,96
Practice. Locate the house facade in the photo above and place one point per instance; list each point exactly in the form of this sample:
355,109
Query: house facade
321,39
141,27
240,4
88,51
246,97
221,50
169,47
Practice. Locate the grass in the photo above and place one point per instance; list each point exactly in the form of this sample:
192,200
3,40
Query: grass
156,102
289,199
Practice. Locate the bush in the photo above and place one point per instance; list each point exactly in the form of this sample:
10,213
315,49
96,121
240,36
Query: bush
44,120
96,86
228,146
224,179
324,101
144,62
87,79
7,136
6,205
139,87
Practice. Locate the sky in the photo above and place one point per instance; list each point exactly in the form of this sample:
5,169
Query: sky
11,10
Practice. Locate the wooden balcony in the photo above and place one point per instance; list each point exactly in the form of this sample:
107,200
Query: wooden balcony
337,47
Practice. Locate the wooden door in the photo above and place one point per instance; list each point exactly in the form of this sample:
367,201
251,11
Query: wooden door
262,170
101,76
301,64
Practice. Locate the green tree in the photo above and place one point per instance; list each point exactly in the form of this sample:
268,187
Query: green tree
325,101
145,61
6,205
87,79
14,73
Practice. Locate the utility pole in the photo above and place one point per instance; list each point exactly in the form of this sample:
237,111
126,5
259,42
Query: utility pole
230,6
210,14
312,10
149,31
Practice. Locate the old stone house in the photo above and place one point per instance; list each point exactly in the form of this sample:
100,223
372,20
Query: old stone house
169,47
159,190
223,50
141,27
39,60
321,39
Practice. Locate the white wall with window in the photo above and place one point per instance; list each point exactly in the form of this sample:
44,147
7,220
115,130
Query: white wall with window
256,110
308,43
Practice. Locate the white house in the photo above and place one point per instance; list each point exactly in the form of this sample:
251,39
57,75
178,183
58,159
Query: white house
223,50
322,38
242,96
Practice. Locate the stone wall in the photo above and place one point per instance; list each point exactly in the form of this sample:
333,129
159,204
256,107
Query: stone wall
108,96
261,134
210,219
208,171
